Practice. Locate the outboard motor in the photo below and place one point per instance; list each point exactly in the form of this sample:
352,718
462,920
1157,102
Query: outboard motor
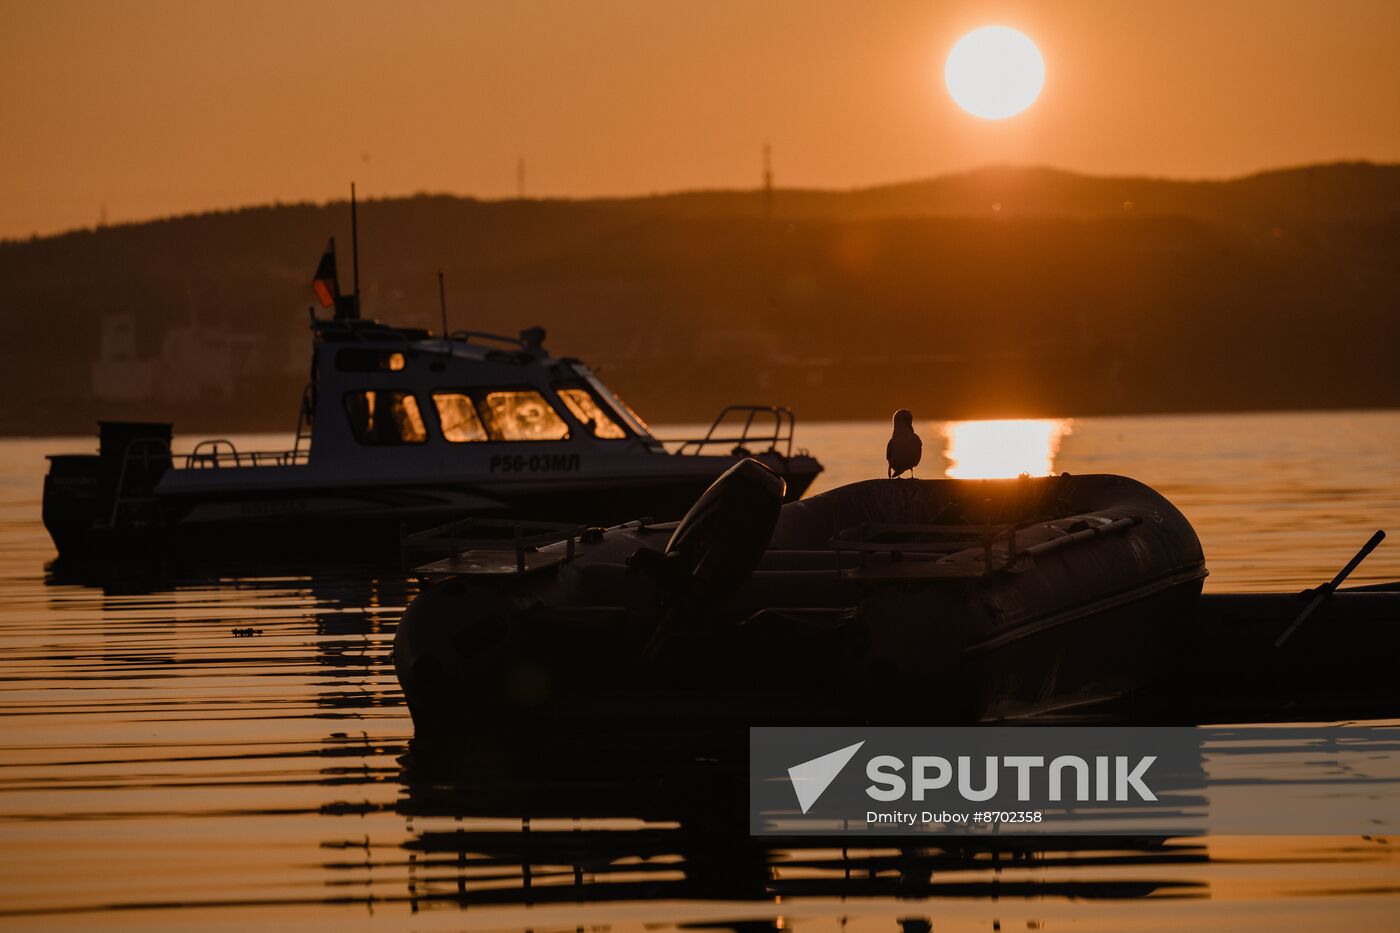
529,644
712,553
718,544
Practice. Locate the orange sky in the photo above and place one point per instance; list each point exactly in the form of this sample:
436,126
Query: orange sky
154,108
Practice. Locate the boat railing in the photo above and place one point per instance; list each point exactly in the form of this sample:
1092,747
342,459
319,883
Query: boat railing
467,336
362,331
485,545
306,418
998,542
132,506
897,540
783,424
530,342
221,452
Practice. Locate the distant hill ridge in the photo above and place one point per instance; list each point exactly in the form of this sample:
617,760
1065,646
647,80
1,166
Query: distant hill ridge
1000,291
1322,193
1341,191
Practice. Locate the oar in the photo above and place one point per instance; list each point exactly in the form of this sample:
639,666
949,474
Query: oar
1327,589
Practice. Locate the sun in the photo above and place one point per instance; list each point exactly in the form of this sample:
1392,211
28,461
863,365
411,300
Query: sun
994,72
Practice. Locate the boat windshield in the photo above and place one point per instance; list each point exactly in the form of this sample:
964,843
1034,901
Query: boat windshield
621,408
458,418
523,415
586,409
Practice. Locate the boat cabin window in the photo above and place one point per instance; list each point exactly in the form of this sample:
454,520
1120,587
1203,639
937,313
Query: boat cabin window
368,360
583,407
523,415
385,418
458,419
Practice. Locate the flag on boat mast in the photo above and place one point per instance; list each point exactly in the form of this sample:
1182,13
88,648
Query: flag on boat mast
326,284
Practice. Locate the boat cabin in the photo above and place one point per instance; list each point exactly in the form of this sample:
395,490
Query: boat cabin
376,388
399,430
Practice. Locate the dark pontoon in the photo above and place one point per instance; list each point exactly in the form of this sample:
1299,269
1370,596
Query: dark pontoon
888,600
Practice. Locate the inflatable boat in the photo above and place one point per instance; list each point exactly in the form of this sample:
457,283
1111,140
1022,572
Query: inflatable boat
891,600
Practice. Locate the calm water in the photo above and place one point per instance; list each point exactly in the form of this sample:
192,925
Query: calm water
158,770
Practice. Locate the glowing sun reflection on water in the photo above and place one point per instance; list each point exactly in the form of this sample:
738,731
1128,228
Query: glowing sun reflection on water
991,449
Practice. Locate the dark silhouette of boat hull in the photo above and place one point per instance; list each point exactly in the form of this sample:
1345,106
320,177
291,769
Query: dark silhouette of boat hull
1227,668
890,601
342,523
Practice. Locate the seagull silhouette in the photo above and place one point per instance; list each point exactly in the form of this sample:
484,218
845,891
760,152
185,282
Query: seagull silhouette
904,450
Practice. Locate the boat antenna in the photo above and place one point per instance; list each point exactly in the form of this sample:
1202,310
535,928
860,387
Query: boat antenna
767,182
442,305
355,247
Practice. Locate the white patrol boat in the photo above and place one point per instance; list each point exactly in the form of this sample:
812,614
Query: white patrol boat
402,430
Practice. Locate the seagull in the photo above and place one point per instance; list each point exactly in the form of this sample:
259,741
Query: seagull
904,449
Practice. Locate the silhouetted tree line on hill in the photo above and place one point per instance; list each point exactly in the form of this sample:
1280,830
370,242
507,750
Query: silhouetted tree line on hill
997,292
